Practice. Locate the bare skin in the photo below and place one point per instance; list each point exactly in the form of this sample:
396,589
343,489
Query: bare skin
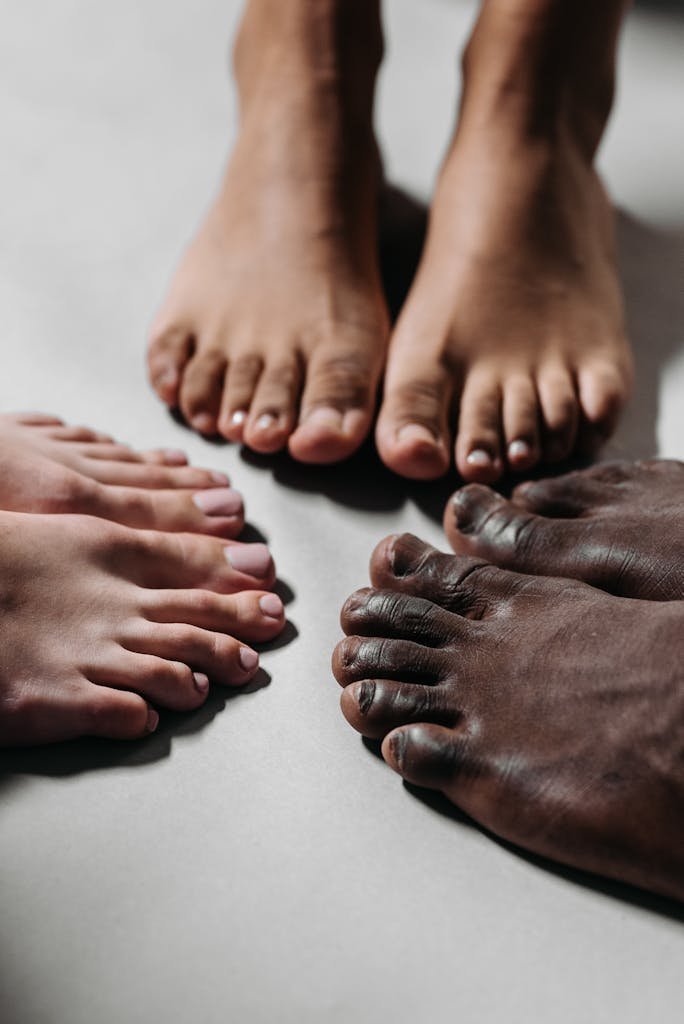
515,318
275,328
550,712
48,466
144,620
618,526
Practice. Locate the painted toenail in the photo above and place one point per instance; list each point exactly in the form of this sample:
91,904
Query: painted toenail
416,433
253,559
221,501
480,459
271,606
220,478
238,418
175,457
265,422
519,450
201,681
152,720
168,378
324,416
249,659
203,422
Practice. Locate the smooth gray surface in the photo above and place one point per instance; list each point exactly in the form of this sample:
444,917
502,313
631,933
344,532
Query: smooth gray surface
255,862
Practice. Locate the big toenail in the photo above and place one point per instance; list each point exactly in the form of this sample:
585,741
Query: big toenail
325,416
253,559
220,501
220,478
203,422
152,720
174,457
271,606
519,450
418,433
479,458
238,418
249,659
266,421
201,681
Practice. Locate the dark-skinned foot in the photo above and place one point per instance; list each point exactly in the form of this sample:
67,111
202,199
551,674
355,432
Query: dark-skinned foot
550,712
619,526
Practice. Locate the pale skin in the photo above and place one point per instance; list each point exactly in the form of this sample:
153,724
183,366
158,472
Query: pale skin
145,618
511,347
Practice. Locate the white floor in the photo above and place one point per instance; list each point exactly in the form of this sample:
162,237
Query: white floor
255,862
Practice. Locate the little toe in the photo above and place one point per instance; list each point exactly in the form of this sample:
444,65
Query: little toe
140,667
201,390
521,422
241,382
222,658
412,434
272,415
433,756
478,444
603,390
109,713
168,353
560,412
337,404
403,616
251,615
376,706
358,658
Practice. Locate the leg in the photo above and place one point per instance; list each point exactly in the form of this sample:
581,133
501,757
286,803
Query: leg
618,526
275,328
516,312
549,712
143,620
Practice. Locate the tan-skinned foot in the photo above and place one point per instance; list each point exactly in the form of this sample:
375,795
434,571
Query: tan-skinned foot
275,328
144,620
550,712
49,466
515,318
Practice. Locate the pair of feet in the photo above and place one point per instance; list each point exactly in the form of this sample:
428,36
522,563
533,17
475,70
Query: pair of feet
123,588
511,347
551,711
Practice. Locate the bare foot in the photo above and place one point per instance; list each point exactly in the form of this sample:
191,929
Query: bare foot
516,314
551,713
275,328
144,619
48,466
619,526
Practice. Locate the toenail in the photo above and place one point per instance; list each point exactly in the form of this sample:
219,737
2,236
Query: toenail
519,450
152,720
271,606
365,695
203,422
174,457
418,433
265,422
238,418
220,478
201,681
253,559
480,459
221,501
324,416
397,748
249,659
168,378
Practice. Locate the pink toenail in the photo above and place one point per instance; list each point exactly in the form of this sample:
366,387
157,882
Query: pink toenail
519,450
203,422
238,418
201,681
253,559
248,659
221,501
152,720
265,422
324,416
175,457
168,379
418,433
220,478
271,606
480,459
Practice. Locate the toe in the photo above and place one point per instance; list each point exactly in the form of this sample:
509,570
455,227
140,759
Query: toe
272,414
240,384
358,658
390,614
560,412
217,511
478,444
521,422
222,658
34,419
603,390
412,434
138,666
150,475
252,615
562,497
117,714
337,402
432,756
376,706
169,350
201,389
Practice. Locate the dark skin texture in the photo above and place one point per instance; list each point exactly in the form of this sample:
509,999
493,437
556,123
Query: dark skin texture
618,526
550,712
